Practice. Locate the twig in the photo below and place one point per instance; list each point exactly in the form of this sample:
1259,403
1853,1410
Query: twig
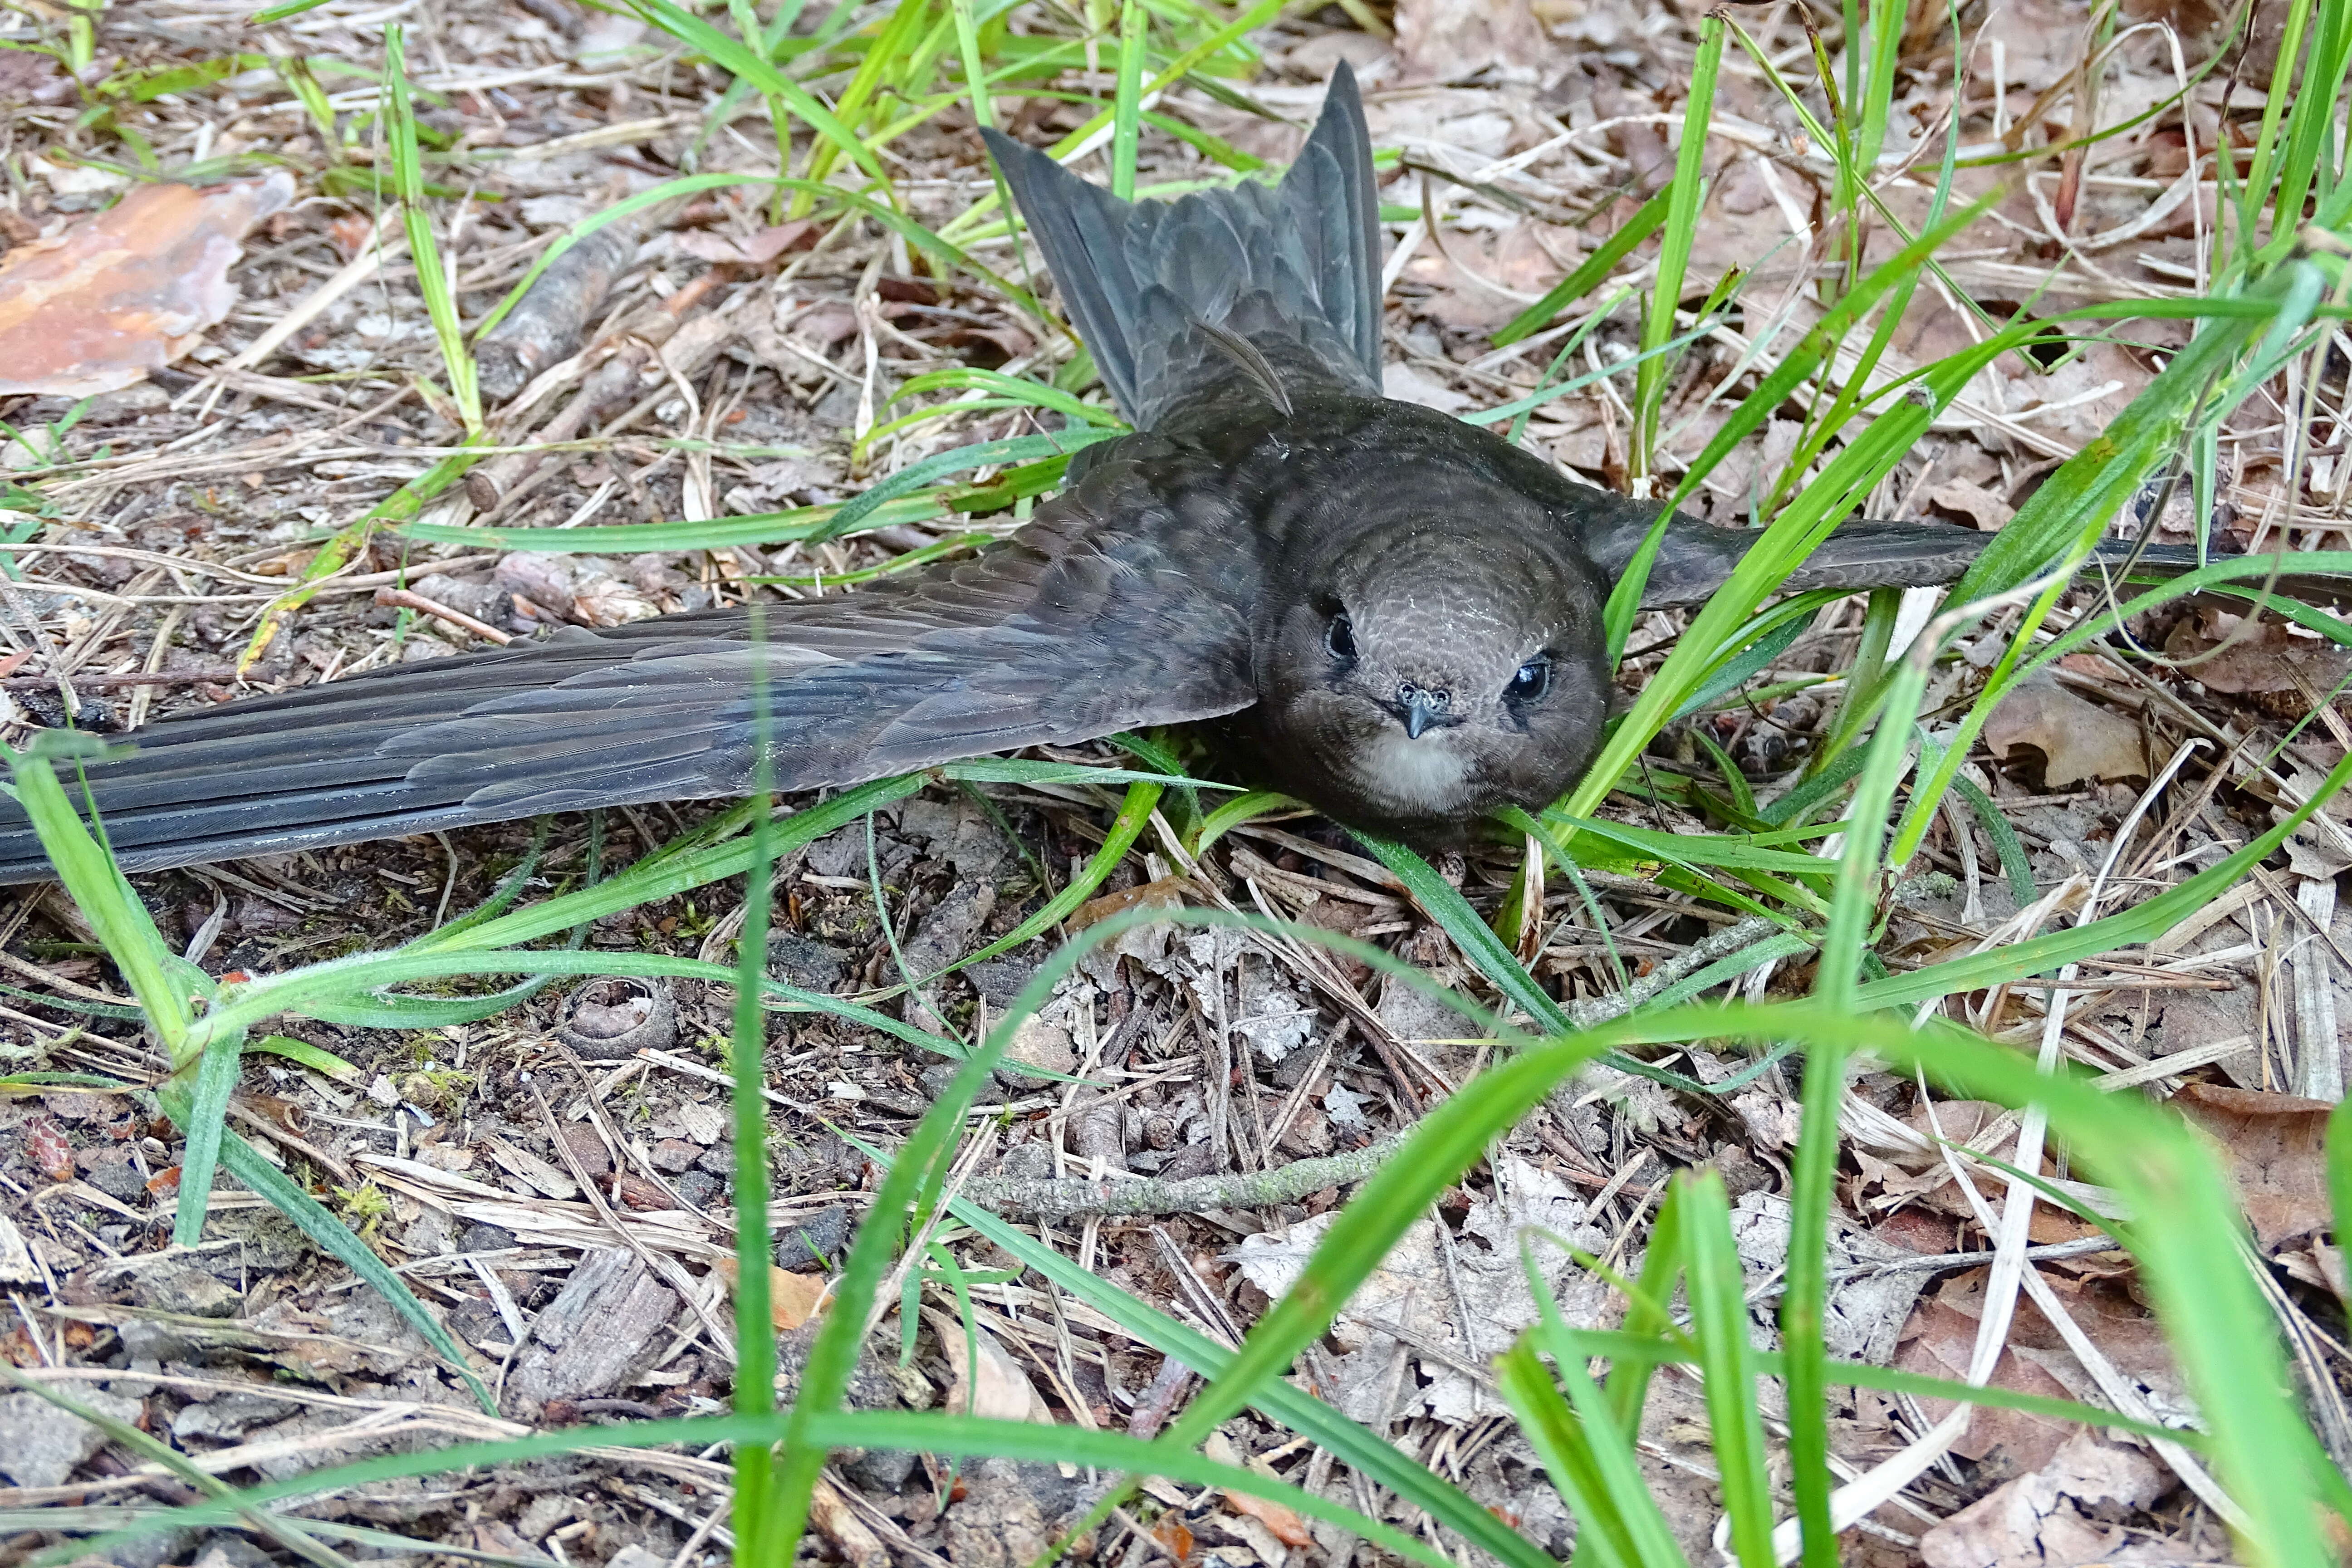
221,673
1049,1198
1690,960
408,599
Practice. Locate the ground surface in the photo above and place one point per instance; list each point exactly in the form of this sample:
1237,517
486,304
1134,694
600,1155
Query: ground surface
562,1198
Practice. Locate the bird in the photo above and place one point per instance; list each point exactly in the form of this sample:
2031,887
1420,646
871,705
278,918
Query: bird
1391,614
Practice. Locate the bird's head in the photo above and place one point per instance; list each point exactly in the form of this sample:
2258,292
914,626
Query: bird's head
1439,672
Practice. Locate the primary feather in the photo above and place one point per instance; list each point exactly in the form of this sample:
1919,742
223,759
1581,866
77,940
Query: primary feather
1081,625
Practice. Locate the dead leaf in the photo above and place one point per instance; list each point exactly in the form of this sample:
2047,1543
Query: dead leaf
1164,894
2036,1359
1983,509
128,290
2073,402
1480,279
1867,1310
2275,1146
1170,1531
29,77
989,1382
1284,1524
1473,1301
2272,656
792,1299
2053,1515
2077,739
1443,40
1407,384
574,588
530,1169
1938,1342
52,1152
750,250
1743,225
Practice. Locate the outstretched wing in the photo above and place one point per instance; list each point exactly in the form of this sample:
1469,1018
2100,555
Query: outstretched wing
1696,558
1081,625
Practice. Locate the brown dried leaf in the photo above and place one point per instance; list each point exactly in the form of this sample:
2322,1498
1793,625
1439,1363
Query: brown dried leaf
1478,281
2054,1514
1170,1532
1001,1390
52,1152
752,249
29,77
1443,40
1938,1342
1283,1522
2076,739
1164,894
792,1299
2276,1149
1411,383
128,290
2262,658
1983,510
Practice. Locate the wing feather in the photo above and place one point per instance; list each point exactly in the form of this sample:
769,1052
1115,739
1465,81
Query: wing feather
1083,624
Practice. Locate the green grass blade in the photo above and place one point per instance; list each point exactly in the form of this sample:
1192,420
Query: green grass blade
662,875
2014,865
1641,1352
744,61
1560,1441
1779,547
924,1432
202,1112
1240,26
309,1055
1631,1520
1134,32
2143,922
99,891
963,460
1378,1460
756,1520
1720,1325
433,277
1590,272
285,1533
1647,1319
276,1188
975,73
1678,230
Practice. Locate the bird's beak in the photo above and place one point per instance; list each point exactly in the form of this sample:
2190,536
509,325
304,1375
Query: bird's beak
1418,714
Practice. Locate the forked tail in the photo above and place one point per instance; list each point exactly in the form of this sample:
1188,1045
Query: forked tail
1162,290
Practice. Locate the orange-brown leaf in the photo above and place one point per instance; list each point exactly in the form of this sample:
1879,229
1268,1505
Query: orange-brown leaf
792,1299
126,291
1287,1526
52,1153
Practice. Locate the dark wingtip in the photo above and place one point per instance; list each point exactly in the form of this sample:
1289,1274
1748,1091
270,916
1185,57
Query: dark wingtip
1001,147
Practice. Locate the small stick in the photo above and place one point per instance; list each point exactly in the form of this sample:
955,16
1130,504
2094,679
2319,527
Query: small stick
406,599
224,673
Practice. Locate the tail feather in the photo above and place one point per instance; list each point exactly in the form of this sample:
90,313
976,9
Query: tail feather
1295,268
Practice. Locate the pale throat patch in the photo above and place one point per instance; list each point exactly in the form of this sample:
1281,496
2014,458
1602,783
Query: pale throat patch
1419,778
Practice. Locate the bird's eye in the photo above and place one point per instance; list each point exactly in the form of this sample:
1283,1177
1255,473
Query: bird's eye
1340,638
1534,677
